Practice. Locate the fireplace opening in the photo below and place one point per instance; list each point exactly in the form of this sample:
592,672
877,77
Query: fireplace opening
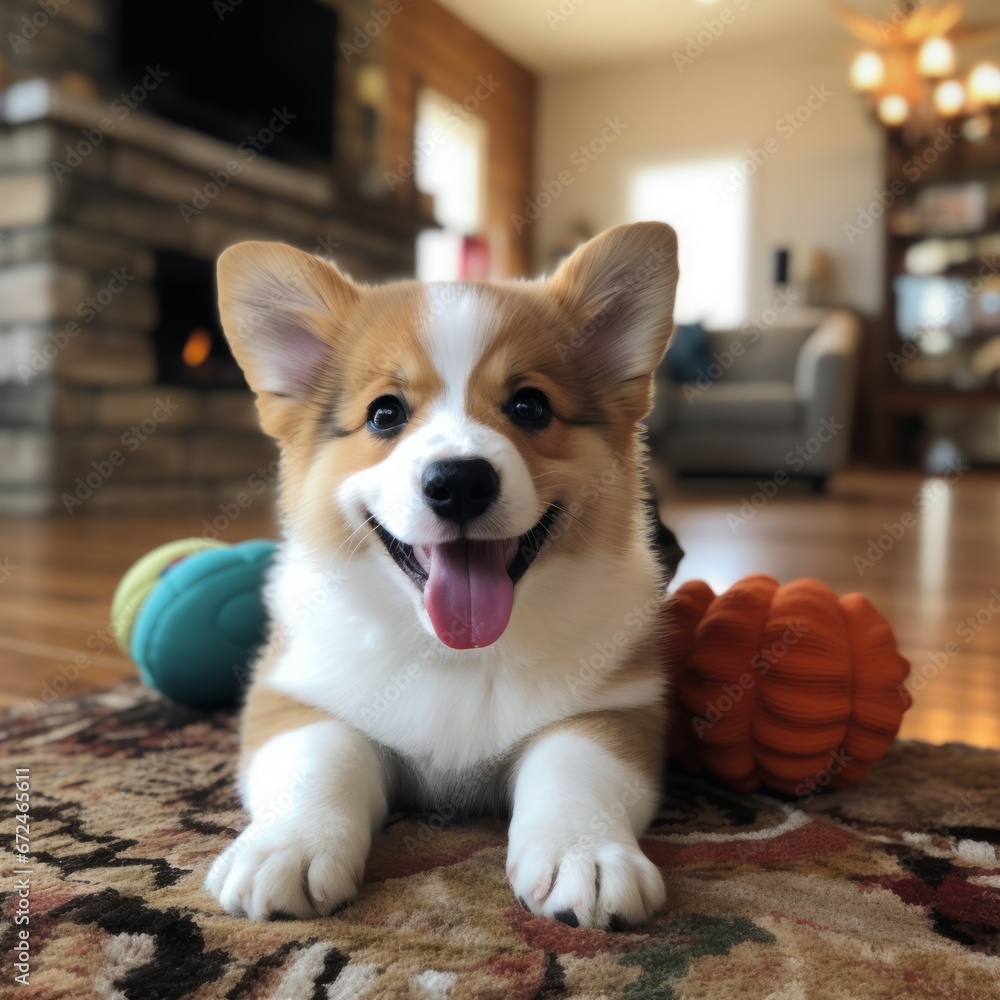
190,347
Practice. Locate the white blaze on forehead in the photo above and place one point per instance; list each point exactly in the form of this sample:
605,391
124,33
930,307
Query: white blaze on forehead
458,328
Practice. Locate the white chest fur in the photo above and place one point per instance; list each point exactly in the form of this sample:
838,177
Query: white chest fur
356,646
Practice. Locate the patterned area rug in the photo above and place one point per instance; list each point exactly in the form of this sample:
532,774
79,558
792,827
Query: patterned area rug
888,890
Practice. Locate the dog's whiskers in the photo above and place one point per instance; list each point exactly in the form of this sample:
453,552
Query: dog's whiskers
363,539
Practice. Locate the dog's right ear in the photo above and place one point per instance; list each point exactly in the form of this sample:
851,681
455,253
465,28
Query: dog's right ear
282,311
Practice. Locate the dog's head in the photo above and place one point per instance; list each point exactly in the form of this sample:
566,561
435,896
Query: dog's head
457,433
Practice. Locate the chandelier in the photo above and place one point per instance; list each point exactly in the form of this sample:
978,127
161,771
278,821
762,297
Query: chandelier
907,71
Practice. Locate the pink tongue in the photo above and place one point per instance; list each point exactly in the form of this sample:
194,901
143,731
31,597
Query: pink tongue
468,594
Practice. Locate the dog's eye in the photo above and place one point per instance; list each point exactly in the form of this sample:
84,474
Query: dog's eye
529,408
386,413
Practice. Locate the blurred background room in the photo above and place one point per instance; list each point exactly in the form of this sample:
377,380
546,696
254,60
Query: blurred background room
830,405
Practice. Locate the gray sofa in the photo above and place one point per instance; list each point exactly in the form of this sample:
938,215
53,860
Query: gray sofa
782,404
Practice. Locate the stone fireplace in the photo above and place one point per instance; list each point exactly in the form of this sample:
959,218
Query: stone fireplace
116,388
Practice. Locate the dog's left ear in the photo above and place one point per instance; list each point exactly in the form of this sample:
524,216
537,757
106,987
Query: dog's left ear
283,312
619,288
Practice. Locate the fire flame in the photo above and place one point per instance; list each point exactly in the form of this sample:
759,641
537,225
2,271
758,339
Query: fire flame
197,347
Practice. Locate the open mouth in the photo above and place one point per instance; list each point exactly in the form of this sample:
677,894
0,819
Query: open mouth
468,584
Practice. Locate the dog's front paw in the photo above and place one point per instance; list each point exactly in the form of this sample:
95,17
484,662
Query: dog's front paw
609,884
277,870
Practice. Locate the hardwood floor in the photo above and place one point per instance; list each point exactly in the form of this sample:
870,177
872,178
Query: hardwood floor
938,582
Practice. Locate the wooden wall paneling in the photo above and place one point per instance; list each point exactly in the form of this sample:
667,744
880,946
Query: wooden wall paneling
425,45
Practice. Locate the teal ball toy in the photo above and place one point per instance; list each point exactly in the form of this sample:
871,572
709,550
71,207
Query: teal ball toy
191,615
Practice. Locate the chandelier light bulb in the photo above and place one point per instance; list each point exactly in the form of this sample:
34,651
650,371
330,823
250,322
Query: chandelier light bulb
977,128
892,110
984,84
949,98
867,72
936,58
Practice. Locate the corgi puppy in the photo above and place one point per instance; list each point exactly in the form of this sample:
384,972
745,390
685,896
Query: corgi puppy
466,608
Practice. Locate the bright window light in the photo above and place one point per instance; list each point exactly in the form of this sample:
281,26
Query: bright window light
707,203
450,161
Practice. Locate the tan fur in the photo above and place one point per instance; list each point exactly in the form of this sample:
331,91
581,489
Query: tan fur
270,713
636,737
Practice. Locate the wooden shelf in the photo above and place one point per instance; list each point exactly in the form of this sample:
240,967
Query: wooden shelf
916,399
900,413
991,230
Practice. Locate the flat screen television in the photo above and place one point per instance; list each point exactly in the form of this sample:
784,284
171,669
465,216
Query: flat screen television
230,63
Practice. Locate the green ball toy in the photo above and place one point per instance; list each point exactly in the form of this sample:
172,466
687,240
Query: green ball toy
191,615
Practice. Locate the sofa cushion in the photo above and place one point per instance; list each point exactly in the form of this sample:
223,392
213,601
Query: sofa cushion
689,356
735,404
763,356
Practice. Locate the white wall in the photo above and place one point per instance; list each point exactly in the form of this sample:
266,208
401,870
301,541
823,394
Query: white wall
728,99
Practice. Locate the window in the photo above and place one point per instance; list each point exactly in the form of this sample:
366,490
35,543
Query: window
706,201
450,161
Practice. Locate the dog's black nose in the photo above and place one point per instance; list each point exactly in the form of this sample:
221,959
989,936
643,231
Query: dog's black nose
460,489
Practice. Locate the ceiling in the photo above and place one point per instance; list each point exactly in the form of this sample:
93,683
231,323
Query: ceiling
551,36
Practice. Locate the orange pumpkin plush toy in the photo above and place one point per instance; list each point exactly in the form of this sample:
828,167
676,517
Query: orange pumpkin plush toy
788,687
